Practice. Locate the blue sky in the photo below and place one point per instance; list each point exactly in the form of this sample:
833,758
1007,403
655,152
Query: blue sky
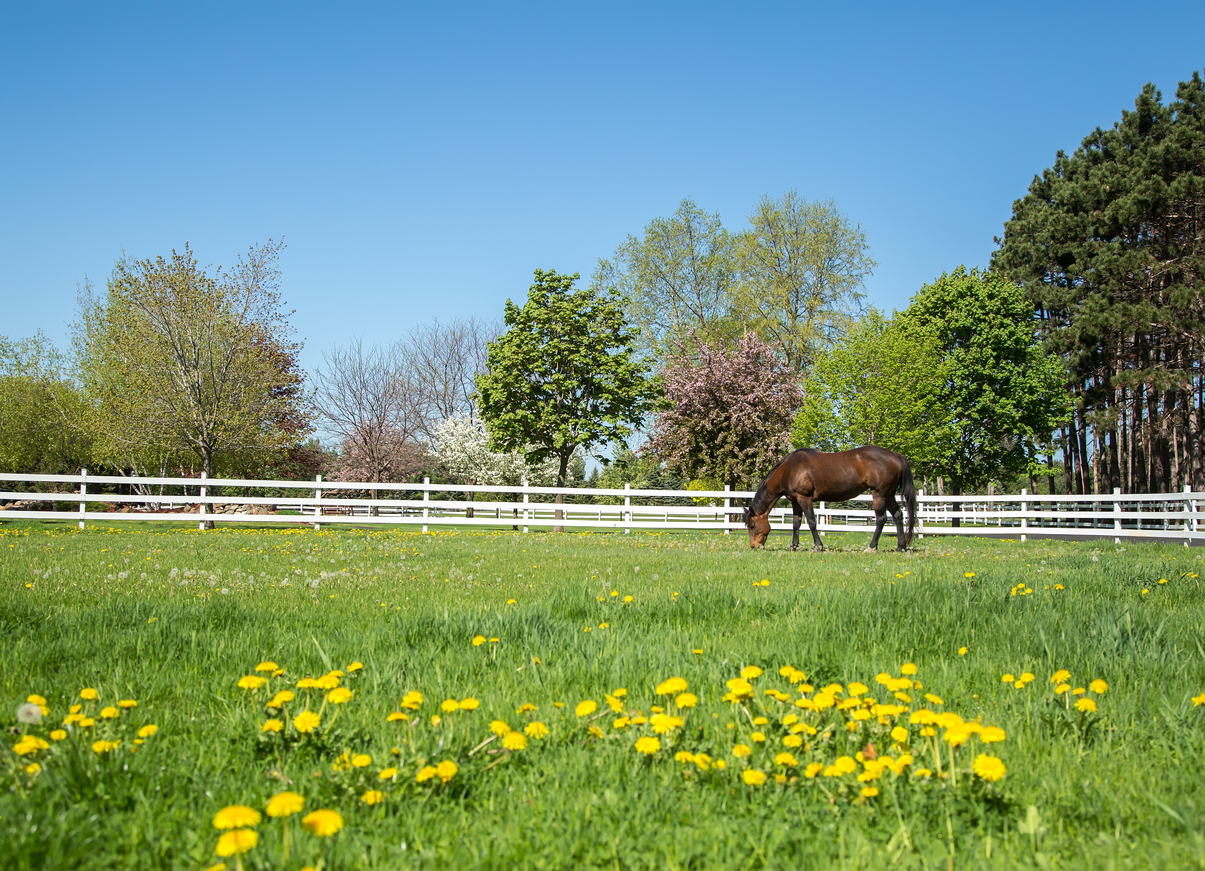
422,160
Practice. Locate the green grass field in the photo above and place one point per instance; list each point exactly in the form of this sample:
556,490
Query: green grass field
855,777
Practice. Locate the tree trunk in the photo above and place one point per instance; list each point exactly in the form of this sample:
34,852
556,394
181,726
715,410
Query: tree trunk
561,476
206,467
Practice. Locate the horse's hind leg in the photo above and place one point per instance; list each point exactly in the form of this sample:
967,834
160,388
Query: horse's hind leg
880,518
796,518
897,514
811,516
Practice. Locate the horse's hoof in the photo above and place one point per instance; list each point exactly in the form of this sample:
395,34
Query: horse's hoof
818,549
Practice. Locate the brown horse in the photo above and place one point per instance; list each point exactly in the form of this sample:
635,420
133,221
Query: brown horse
808,476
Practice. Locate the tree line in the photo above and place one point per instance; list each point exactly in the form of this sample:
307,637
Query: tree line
693,356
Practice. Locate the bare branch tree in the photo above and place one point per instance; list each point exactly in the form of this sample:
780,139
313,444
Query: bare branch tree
443,360
367,398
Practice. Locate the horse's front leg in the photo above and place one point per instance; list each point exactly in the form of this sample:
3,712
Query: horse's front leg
796,520
811,516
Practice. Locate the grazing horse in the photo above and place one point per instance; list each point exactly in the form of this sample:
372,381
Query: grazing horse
808,476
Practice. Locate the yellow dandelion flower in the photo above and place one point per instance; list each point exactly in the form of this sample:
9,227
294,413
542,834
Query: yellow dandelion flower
236,816
741,751
991,735
514,741
750,672
962,651
899,735
148,730
110,713
989,767
908,668
535,729
1007,678
102,747
469,704
88,695
586,708
372,796
306,722
870,791
786,759
267,665
58,735
236,842
671,686
648,745
387,773
424,774
251,682
361,760
322,823
272,725
813,769
753,777
449,705
932,699
1098,686
446,770
284,804
478,640
1086,705
127,704
281,698
499,727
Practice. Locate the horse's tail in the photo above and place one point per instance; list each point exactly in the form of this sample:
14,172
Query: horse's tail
908,491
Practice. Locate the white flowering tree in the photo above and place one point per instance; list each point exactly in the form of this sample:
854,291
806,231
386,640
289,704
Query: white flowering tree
461,443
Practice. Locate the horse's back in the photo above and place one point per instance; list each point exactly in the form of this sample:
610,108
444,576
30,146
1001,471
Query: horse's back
844,474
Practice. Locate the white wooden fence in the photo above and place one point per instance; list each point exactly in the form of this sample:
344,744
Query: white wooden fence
1150,515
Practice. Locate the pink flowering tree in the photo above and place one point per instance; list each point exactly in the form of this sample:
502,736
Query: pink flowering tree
730,413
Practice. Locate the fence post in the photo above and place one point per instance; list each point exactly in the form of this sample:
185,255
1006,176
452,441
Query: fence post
426,498
201,504
1116,516
1188,524
83,490
920,515
317,500
526,513
727,505
627,511
1024,510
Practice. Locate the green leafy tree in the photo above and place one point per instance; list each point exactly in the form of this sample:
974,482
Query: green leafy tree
802,266
178,362
677,280
1004,393
564,375
43,416
878,386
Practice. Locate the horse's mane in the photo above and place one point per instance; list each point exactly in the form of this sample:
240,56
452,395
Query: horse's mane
762,500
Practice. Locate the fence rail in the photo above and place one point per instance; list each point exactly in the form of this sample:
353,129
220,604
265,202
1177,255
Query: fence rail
1145,515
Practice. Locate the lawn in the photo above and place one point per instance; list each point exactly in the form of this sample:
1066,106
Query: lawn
494,699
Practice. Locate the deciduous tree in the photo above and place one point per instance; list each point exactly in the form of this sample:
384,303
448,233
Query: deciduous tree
729,414
564,375
177,360
878,386
1004,393
677,279
802,266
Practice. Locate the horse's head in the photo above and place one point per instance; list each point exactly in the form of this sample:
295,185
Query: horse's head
758,526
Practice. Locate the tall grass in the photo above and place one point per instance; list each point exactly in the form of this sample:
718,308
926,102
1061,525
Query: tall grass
173,619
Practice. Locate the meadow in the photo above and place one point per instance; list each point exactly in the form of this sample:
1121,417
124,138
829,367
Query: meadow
267,698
